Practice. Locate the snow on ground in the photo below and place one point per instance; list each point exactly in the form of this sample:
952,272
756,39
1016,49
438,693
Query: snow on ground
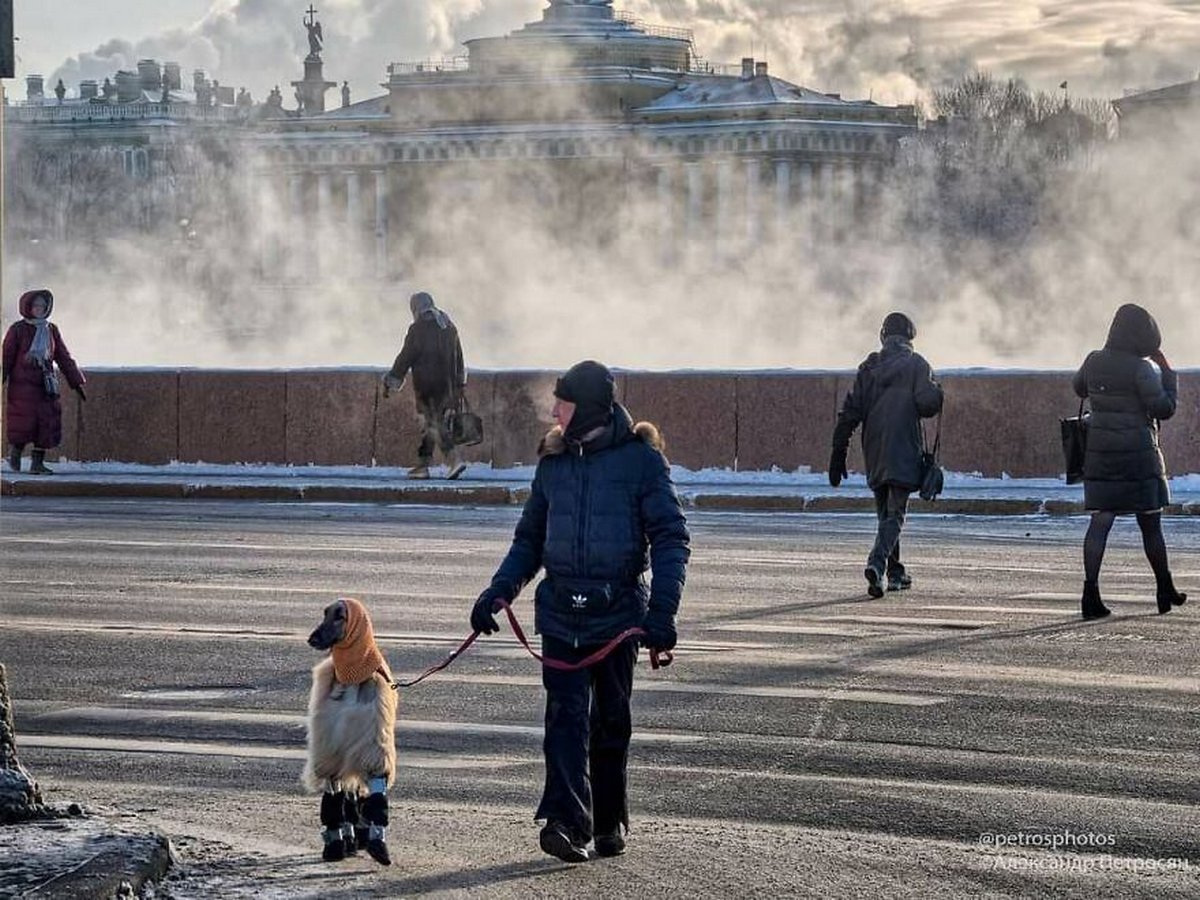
802,481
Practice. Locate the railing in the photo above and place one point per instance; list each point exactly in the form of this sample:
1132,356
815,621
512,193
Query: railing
429,66
119,112
663,31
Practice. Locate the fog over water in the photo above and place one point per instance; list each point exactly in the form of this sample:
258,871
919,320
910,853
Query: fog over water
1118,223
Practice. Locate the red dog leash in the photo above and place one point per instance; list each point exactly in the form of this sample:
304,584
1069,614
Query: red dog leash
658,659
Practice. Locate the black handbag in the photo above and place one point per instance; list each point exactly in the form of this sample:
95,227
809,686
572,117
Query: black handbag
50,380
933,479
1074,432
466,428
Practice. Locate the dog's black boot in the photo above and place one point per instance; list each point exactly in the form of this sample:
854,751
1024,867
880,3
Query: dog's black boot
556,840
610,844
335,847
332,817
1093,607
14,457
350,822
375,815
378,851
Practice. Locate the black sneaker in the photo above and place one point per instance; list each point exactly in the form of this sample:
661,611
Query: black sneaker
901,582
874,582
610,844
557,842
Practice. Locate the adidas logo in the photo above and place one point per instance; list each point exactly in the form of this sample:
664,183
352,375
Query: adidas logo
579,600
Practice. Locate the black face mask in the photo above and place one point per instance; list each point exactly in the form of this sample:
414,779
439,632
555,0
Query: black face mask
587,418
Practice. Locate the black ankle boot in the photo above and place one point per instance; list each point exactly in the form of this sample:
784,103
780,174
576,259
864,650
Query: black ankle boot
14,457
37,463
1093,608
1168,597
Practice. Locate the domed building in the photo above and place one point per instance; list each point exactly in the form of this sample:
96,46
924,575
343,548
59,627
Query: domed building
621,121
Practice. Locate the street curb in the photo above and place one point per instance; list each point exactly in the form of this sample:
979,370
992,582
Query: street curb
501,495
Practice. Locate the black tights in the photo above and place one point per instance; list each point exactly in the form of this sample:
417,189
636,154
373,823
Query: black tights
1152,542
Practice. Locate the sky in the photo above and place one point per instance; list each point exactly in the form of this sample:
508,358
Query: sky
893,52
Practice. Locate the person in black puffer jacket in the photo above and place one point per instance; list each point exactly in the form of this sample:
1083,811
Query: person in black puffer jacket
893,391
602,511
1123,469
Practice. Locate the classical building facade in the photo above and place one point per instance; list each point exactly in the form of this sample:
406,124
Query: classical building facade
610,126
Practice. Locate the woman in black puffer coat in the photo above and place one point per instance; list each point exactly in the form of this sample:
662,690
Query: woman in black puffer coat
1123,471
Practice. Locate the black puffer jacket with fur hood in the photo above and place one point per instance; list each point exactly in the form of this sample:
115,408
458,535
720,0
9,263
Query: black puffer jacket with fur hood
598,517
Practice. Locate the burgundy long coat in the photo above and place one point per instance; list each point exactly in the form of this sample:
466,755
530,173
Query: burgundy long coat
29,415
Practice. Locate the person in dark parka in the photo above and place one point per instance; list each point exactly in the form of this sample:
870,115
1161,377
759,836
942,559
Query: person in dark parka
601,511
893,391
33,410
433,352
1123,469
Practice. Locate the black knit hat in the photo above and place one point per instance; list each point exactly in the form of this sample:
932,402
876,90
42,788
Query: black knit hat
588,383
898,324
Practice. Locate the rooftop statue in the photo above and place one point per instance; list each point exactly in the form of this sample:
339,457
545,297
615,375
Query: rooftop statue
315,37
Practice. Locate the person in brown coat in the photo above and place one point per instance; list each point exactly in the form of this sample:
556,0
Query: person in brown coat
33,409
433,353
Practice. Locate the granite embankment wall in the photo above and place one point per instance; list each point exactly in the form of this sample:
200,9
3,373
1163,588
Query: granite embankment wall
996,422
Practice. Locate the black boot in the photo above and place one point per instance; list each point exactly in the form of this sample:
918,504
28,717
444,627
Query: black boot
349,822
375,814
1093,608
37,463
14,457
332,817
1167,596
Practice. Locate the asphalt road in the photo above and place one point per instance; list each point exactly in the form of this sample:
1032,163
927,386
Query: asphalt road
807,742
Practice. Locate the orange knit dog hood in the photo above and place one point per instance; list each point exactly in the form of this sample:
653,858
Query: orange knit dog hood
356,657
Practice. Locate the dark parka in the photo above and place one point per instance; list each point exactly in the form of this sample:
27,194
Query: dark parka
598,516
893,391
1123,470
31,417
434,354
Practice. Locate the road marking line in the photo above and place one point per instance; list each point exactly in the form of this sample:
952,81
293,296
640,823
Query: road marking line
1013,610
913,621
253,751
890,698
416,639
1095,678
109,714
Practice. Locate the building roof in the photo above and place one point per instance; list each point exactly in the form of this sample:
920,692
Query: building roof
1174,93
375,108
702,91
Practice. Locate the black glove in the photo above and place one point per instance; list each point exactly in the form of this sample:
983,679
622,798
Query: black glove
483,614
79,391
660,631
837,466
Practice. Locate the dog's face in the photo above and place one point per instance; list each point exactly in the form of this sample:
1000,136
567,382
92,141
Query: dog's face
332,628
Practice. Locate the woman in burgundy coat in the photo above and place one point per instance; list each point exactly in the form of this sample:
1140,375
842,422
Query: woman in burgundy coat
32,409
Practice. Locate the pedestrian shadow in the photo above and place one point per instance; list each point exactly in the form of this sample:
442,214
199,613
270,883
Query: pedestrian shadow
760,612
479,877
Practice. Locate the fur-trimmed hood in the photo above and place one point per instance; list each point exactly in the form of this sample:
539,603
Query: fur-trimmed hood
554,444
